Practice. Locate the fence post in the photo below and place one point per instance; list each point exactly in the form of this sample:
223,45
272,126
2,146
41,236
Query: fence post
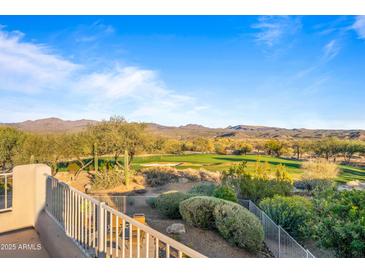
6,191
279,228
100,216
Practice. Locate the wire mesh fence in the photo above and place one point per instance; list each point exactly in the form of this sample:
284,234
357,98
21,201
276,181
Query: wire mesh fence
278,241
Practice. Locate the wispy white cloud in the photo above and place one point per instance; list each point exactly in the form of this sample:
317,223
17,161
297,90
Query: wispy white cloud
91,33
330,50
29,68
359,26
272,29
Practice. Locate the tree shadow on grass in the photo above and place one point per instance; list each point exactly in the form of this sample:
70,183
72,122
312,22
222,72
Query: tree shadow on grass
352,172
292,165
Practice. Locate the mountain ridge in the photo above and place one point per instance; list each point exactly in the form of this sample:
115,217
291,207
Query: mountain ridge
57,125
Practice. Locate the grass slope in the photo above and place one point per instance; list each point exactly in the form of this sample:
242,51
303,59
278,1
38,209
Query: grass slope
216,162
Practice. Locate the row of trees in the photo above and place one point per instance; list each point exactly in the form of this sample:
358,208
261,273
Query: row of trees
115,136
112,137
329,148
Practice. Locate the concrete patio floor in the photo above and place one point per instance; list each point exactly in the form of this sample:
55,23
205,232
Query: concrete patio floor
24,243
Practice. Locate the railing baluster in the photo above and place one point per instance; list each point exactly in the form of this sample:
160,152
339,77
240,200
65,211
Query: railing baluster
79,218
101,227
94,227
111,234
157,248
116,236
123,238
147,244
6,191
138,240
86,220
90,215
130,240
167,250
64,211
82,220
105,231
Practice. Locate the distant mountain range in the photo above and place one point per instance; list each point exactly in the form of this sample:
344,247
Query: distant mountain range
54,125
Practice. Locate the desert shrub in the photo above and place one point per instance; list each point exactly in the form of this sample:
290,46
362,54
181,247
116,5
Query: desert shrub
340,221
209,176
313,184
106,179
151,201
73,168
226,193
157,176
203,189
238,226
192,175
198,211
319,169
292,213
258,189
259,184
168,204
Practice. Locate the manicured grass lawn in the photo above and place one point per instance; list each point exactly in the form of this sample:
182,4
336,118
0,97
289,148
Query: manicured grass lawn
216,162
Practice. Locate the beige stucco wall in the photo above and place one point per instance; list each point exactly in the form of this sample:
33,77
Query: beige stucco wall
29,197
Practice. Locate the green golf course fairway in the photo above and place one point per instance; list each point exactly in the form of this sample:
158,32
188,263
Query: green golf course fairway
215,162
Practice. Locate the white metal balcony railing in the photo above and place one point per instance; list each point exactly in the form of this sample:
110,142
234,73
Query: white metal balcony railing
101,231
6,191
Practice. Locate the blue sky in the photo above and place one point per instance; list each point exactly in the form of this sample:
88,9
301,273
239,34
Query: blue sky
295,71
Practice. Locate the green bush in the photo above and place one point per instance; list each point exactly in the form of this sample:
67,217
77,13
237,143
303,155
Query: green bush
225,193
258,184
257,189
292,213
151,201
203,189
340,222
239,226
198,211
168,204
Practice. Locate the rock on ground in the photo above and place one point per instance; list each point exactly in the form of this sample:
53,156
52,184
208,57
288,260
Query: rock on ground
176,229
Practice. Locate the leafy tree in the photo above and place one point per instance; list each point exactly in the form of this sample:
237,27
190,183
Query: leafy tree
350,147
202,145
245,148
172,146
300,147
275,147
10,143
43,148
117,135
79,146
327,147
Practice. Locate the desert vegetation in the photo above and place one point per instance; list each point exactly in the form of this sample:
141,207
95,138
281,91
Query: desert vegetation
293,180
